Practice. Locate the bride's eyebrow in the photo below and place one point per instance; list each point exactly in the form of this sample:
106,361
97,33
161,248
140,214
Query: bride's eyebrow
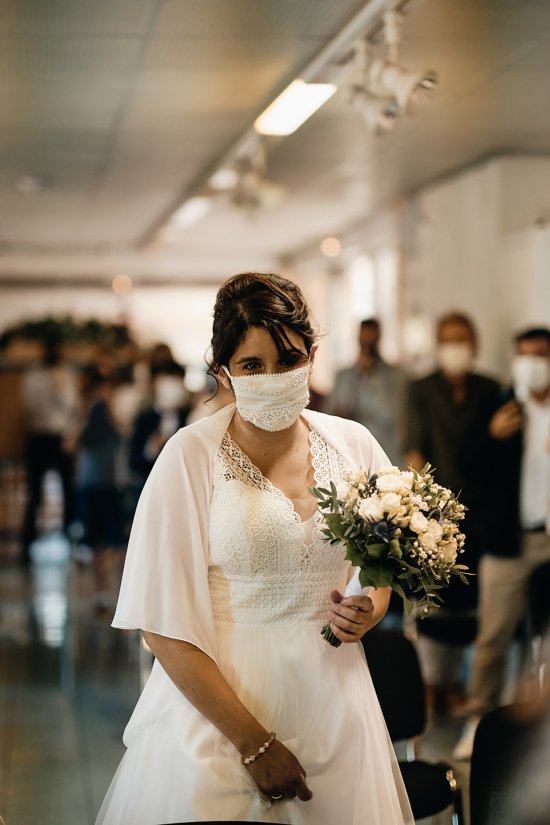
247,358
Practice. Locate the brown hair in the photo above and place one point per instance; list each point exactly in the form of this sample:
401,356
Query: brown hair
457,318
252,299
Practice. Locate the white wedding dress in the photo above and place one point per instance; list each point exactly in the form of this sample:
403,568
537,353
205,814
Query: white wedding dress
269,577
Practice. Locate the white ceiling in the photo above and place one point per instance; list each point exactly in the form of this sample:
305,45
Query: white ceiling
119,106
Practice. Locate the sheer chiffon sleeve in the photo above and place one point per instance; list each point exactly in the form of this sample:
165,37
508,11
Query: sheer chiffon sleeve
165,582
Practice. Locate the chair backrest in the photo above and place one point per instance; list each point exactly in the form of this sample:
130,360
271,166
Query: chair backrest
538,603
397,679
502,738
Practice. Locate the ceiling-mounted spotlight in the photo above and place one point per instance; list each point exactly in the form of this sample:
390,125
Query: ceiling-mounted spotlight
380,113
411,89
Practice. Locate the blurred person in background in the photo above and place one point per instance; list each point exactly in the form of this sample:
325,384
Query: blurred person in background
521,427
98,494
50,409
449,413
372,392
158,422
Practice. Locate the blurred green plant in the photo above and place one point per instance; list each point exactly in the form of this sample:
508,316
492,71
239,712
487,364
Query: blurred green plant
66,329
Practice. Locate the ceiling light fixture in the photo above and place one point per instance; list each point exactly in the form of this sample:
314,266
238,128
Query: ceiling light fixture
411,89
381,89
380,113
293,107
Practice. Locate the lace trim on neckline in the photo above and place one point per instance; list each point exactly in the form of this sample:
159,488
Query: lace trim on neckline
326,462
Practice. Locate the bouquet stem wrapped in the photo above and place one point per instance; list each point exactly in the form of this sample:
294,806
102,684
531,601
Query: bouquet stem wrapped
400,529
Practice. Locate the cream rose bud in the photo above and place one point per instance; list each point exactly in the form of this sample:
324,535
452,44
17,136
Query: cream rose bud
435,528
418,522
427,541
449,551
391,503
389,483
371,509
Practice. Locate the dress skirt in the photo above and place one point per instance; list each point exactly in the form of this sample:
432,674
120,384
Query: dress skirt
320,701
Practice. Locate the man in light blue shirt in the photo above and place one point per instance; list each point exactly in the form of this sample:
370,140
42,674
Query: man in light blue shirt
372,392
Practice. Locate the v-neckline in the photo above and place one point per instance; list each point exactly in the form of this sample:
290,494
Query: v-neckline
266,483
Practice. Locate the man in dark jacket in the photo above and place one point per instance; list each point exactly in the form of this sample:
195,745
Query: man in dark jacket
521,431
449,415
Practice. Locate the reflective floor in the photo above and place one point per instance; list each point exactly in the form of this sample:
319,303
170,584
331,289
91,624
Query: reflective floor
68,683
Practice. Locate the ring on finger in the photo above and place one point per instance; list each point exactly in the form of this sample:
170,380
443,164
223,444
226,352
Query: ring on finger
276,797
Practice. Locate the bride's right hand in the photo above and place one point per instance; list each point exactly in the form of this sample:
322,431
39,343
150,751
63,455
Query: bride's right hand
277,773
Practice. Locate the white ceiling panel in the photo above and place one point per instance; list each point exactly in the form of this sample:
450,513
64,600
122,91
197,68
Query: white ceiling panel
120,107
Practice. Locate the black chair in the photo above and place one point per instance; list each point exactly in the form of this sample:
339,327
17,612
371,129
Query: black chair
538,616
395,671
502,739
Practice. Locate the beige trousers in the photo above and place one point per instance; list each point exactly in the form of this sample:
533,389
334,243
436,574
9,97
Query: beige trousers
502,590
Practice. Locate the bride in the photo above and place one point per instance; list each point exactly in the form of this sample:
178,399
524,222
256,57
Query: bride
248,713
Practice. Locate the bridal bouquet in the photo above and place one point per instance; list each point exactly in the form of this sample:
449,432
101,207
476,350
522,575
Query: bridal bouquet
400,529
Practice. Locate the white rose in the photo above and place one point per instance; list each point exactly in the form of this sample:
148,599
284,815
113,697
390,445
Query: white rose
389,483
391,503
435,528
418,522
371,509
427,541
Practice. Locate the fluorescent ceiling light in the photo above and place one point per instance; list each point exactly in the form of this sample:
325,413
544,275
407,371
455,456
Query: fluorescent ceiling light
293,107
191,212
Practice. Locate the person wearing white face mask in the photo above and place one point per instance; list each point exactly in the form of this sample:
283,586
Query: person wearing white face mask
520,429
248,714
157,423
449,413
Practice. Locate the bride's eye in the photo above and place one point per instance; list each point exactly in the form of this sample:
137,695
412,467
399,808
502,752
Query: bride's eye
293,360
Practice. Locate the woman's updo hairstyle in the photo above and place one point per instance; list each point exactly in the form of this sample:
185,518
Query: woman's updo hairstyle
250,300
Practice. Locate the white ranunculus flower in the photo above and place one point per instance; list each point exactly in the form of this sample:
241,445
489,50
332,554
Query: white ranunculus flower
389,469
342,489
391,502
371,509
427,541
418,522
389,483
407,479
435,528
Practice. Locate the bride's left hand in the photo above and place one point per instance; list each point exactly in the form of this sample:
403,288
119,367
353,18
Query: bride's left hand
351,617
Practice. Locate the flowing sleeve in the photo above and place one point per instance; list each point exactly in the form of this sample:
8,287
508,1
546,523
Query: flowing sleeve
164,586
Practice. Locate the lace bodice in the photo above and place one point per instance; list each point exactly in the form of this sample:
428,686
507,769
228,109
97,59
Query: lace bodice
265,563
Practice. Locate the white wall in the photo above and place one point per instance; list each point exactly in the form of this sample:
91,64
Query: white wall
474,243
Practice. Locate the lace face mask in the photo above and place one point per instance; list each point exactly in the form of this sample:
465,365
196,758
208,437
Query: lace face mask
272,401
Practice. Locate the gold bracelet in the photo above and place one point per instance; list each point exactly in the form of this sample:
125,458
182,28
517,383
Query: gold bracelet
260,751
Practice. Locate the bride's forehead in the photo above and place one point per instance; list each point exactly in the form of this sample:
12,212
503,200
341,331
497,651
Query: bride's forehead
258,339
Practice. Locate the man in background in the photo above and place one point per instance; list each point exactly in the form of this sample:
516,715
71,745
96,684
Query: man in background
372,392
521,431
449,414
